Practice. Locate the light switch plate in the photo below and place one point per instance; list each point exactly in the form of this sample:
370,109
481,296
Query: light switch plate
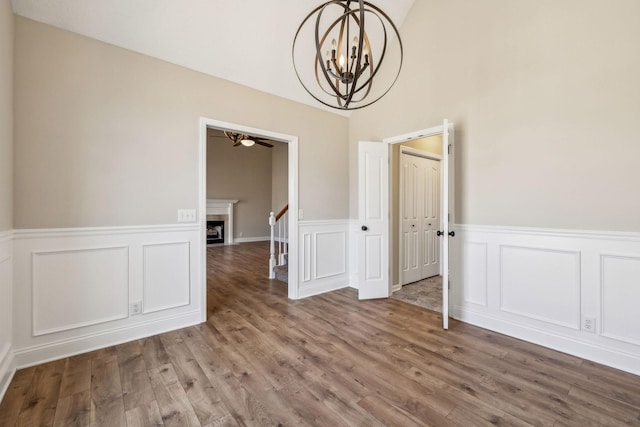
186,215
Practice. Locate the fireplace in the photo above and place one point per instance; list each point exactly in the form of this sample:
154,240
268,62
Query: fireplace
215,232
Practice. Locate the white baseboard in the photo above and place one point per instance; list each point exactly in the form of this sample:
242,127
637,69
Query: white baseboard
251,239
157,266
65,348
586,350
542,285
7,369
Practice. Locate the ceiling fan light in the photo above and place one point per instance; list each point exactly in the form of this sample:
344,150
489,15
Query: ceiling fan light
247,142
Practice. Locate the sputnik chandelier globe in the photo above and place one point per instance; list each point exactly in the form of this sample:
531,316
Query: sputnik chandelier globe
350,42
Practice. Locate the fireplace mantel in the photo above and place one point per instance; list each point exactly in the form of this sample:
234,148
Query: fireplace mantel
223,207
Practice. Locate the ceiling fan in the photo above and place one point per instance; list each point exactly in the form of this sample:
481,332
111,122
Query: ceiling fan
246,140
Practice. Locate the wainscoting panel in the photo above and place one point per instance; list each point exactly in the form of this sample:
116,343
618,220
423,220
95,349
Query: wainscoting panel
73,288
7,366
540,285
621,298
79,287
331,254
474,273
166,281
324,255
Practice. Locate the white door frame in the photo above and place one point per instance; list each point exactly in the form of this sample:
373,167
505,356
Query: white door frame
437,130
292,143
425,155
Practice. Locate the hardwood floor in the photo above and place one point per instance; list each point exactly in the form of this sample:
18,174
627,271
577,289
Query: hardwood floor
328,360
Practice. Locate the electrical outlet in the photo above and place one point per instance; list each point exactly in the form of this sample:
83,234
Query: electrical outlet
186,215
241,234
136,308
300,214
589,324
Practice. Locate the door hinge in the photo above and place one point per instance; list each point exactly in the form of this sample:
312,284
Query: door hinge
448,217
449,149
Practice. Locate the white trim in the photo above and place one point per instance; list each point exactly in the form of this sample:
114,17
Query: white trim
254,239
424,133
39,233
7,368
6,235
326,222
553,232
587,350
292,145
38,354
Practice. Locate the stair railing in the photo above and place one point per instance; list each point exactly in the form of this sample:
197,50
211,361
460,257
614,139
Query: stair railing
281,220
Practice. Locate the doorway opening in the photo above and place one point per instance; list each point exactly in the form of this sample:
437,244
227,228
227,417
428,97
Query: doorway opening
228,207
445,136
416,180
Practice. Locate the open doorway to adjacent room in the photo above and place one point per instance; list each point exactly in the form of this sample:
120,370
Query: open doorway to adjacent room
417,190
248,176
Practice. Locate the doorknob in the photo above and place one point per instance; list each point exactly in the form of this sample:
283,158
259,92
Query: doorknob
452,233
365,228
439,233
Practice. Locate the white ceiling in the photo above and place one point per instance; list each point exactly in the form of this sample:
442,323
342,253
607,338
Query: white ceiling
245,41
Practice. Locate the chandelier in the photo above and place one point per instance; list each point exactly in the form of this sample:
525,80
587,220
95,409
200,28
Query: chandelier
348,54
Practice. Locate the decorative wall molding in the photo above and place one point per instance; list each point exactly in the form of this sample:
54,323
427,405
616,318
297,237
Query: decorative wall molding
619,298
474,273
166,281
324,254
40,233
540,284
79,287
90,276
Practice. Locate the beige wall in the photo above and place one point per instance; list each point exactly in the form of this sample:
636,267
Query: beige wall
280,177
6,115
244,174
108,137
545,97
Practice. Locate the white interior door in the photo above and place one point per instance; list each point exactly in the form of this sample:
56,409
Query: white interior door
410,187
430,218
420,216
373,207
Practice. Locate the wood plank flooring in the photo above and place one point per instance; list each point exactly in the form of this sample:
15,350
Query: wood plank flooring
328,360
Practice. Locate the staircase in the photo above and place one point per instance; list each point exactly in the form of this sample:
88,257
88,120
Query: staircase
279,247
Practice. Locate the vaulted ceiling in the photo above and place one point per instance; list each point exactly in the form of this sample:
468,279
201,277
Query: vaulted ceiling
244,41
